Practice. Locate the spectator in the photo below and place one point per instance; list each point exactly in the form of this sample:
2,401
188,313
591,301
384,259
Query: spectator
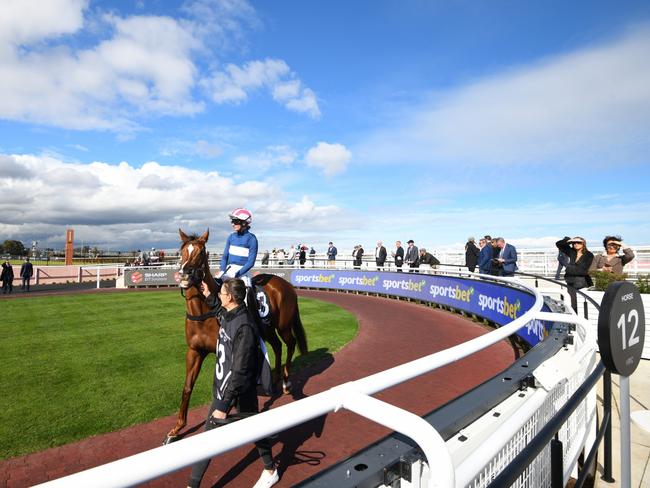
471,254
485,256
412,256
562,261
7,278
398,255
357,254
312,256
427,260
281,258
380,256
302,256
235,381
495,268
291,256
26,273
507,259
331,255
265,259
576,274
612,262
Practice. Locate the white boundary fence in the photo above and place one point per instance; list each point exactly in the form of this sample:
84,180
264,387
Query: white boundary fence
500,438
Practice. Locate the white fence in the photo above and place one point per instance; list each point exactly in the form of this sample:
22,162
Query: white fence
448,464
529,260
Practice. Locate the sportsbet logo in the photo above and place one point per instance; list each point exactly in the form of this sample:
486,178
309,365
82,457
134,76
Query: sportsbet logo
317,278
453,292
408,285
358,280
502,306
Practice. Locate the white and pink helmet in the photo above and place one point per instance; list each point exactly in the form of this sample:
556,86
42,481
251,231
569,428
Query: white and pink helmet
243,215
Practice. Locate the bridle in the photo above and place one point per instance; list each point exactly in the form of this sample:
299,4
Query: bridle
195,274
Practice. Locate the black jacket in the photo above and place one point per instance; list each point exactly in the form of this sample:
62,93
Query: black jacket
237,368
381,258
429,259
7,273
357,256
471,254
27,270
576,273
399,257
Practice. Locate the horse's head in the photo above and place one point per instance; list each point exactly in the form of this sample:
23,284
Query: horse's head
194,259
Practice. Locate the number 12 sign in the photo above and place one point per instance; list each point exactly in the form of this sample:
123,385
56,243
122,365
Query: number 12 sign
621,328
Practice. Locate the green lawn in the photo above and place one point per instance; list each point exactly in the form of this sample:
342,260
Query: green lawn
78,365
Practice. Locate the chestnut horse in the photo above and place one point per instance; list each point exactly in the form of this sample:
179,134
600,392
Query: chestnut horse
202,325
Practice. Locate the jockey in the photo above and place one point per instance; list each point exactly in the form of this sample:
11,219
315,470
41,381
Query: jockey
241,247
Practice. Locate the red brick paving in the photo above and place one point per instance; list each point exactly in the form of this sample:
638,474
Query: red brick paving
391,332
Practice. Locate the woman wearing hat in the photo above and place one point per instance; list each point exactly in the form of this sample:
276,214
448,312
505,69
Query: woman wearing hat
576,273
612,262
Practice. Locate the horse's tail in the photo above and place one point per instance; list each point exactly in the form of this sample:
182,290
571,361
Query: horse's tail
299,333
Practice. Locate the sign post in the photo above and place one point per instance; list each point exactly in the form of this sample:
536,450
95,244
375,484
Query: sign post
621,333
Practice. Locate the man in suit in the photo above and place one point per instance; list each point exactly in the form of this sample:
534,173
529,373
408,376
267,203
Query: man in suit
331,255
398,255
26,273
412,257
380,256
507,257
358,255
485,256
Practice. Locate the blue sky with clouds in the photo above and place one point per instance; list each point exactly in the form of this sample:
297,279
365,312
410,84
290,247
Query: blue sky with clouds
350,121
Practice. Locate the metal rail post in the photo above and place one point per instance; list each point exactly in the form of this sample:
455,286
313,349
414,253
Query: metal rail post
607,444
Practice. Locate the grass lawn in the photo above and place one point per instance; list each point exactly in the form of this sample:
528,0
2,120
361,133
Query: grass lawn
78,365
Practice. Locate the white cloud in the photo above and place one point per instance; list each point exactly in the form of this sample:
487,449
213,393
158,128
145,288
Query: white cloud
125,205
271,156
28,21
142,66
591,105
330,158
234,84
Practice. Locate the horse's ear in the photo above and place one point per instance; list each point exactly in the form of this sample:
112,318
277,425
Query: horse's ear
204,237
184,237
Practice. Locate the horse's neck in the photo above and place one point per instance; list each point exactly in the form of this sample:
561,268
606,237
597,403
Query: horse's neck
195,302
209,279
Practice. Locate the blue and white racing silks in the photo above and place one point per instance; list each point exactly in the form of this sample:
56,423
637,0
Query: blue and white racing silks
239,254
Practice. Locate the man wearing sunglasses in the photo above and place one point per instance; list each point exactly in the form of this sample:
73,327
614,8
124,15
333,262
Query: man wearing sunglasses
240,252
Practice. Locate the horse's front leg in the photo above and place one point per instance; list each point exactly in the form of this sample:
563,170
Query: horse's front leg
193,361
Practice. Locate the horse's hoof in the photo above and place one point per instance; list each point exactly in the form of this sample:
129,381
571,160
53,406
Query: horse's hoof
170,439
286,387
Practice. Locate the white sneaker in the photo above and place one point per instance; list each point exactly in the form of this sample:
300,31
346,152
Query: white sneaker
267,479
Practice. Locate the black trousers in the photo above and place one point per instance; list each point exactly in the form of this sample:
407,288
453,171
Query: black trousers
246,403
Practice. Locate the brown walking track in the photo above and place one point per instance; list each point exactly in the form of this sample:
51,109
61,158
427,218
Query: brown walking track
391,332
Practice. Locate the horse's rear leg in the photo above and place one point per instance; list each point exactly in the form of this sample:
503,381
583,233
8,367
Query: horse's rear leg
193,361
290,341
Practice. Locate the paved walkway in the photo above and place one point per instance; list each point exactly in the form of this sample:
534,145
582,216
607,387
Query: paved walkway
391,332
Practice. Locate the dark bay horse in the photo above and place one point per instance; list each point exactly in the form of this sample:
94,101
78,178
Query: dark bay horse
202,326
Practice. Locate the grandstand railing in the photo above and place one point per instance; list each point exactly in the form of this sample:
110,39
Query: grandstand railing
553,383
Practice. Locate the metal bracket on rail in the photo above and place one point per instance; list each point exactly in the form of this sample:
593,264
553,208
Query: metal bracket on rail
423,433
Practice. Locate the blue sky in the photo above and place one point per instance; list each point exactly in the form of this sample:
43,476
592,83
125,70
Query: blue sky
345,121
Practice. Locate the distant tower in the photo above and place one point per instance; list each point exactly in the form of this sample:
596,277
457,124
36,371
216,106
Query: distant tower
69,246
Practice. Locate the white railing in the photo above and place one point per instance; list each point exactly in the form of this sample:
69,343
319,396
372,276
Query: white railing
354,396
534,261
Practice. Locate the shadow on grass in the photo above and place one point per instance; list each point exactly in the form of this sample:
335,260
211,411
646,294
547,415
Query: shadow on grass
311,364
